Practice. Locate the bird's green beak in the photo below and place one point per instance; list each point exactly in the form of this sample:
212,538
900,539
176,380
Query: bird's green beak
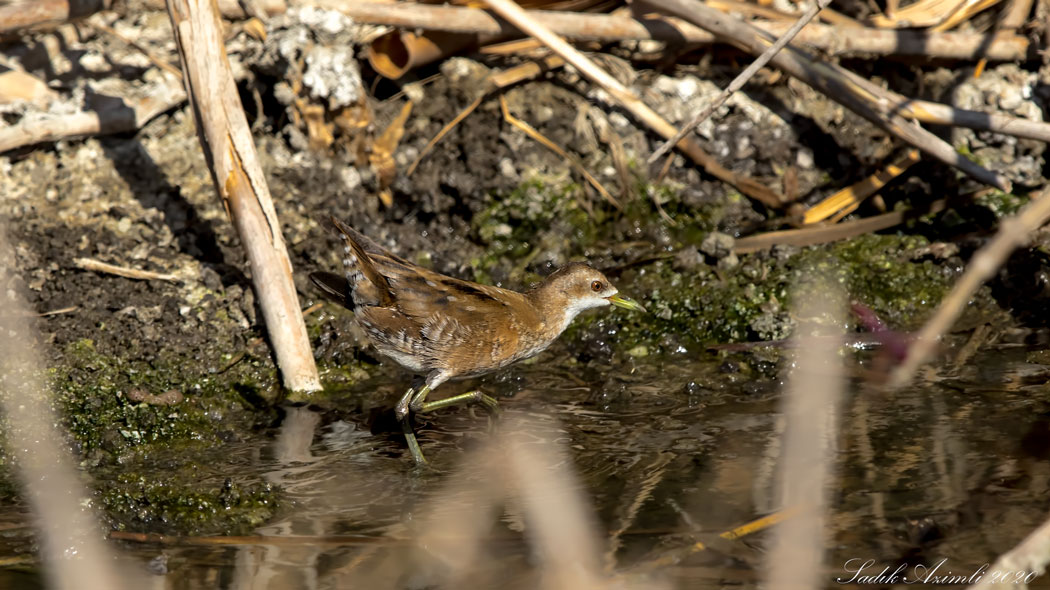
626,303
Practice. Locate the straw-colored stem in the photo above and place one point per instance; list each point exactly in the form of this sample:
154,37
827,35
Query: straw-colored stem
230,151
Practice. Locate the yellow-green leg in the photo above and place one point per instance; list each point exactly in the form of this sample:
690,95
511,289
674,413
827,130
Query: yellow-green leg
416,402
464,398
401,411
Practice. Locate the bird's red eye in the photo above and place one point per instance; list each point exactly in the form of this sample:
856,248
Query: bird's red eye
596,286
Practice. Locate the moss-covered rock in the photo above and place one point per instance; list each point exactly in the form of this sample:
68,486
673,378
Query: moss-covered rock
177,501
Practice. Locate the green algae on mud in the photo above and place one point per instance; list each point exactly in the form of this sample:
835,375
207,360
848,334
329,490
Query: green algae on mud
704,304
93,394
532,219
121,441
175,500
752,301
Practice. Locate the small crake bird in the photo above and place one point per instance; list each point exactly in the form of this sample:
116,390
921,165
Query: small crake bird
446,328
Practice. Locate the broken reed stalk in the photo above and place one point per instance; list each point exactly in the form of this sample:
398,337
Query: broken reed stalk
511,11
228,147
113,116
235,8
1013,233
1004,46
741,79
24,14
831,80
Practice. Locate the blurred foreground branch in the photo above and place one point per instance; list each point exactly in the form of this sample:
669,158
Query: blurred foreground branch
810,411
70,545
1029,558
1013,233
230,152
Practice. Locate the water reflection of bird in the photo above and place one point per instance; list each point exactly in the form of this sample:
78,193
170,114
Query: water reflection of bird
446,328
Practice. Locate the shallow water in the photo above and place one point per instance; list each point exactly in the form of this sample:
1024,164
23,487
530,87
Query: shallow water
955,468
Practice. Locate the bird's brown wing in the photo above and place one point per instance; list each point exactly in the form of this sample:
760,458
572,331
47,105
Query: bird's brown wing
366,243
359,259
422,292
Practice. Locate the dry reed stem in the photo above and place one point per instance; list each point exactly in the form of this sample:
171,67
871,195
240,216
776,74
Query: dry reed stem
115,115
1015,16
602,27
853,195
741,78
509,10
833,81
239,180
810,236
235,9
810,410
74,557
23,14
942,114
123,271
1013,233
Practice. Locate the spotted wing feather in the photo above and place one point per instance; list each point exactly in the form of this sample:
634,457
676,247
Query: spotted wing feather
357,259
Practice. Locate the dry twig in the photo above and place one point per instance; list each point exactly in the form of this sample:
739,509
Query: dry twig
239,180
849,90
621,94
123,271
155,60
603,27
113,115
741,79
496,81
574,162
1013,233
